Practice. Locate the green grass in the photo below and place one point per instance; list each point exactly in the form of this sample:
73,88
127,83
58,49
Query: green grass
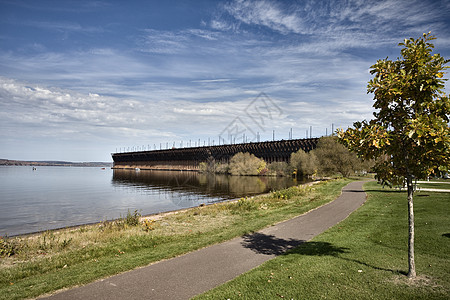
440,180
363,257
435,185
61,259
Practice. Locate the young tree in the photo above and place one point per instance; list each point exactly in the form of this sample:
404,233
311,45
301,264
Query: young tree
246,164
334,158
411,126
304,164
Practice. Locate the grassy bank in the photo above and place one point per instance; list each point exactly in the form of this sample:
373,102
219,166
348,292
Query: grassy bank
363,257
59,259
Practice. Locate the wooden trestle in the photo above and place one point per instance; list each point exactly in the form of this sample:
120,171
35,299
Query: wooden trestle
190,158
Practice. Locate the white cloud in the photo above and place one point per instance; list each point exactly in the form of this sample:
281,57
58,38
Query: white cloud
212,80
42,109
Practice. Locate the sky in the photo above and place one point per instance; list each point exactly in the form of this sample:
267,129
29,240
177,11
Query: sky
80,80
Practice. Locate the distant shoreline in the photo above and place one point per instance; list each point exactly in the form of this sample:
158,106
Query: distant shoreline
7,162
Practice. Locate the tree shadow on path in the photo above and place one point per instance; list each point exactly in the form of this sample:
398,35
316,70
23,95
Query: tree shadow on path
268,244
271,245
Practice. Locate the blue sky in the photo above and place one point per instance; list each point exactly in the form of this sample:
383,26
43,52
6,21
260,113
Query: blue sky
82,79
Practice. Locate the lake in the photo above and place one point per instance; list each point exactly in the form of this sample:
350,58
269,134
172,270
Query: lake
56,197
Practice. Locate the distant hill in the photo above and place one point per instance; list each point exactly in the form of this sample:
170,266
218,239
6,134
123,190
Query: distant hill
7,162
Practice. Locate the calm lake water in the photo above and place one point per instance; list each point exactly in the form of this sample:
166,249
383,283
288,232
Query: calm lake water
55,197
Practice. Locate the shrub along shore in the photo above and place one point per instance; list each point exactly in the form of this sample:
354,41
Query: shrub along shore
38,264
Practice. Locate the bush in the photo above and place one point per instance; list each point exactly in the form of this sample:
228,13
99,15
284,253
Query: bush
203,167
279,168
132,219
222,168
7,247
334,158
246,164
213,168
243,205
304,164
148,225
209,166
287,194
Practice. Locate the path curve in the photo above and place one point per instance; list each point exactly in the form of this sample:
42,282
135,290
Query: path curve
194,273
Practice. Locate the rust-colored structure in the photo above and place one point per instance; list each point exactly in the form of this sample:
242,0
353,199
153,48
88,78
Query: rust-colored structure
190,158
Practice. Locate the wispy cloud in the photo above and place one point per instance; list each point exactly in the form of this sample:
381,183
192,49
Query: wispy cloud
265,13
346,20
212,80
174,42
61,26
156,41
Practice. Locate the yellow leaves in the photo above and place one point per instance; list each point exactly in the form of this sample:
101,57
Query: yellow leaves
148,225
411,126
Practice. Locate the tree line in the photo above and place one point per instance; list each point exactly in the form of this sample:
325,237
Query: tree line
330,158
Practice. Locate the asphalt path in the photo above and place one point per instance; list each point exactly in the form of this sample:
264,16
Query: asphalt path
194,273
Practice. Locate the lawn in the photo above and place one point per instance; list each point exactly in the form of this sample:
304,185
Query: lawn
435,185
363,257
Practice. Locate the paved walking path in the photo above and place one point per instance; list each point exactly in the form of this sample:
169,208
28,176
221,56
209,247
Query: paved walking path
194,273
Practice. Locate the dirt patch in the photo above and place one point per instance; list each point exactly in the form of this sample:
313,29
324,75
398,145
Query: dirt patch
418,281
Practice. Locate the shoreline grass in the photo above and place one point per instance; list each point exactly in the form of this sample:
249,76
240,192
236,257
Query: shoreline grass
363,257
54,260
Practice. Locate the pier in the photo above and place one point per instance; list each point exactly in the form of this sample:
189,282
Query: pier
189,158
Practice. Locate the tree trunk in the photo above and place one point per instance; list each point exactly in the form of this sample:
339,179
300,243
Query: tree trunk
411,263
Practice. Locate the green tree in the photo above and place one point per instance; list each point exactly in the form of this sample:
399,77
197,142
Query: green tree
411,126
279,168
246,164
304,164
335,158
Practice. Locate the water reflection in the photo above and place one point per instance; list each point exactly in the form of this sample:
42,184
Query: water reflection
194,187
